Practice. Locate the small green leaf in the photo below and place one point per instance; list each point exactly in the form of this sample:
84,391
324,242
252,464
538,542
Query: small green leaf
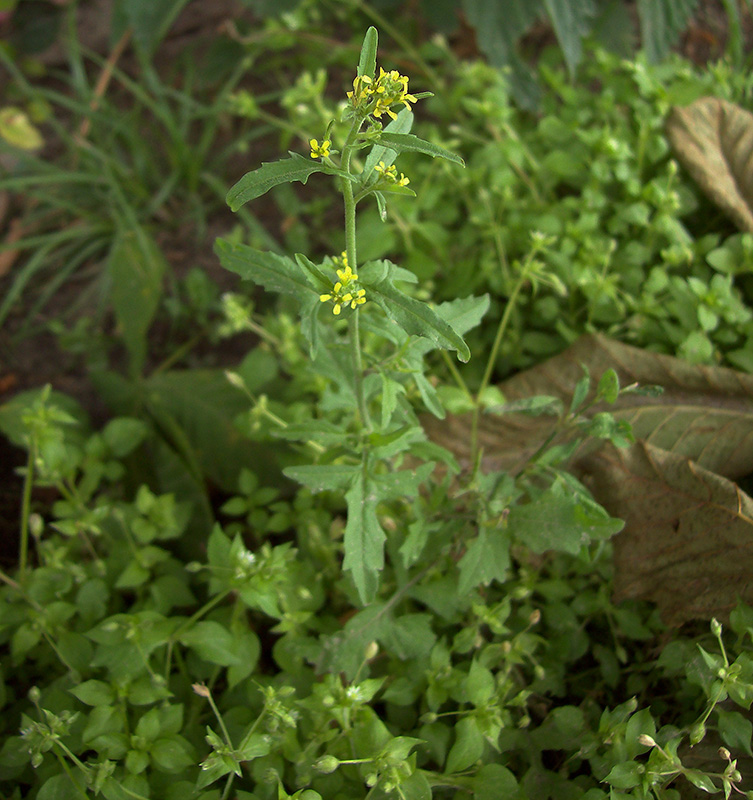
493,781
367,61
735,729
626,775
94,693
409,636
701,781
171,754
408,143
59,787
581,390
260,181
124,434
479,684
468,747
608,388
416,787
212,642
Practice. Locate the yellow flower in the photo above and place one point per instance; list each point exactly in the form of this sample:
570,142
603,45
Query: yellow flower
339,296
319,150
390,174
362,90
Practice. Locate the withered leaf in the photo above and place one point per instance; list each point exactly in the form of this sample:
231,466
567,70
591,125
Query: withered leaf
688,531
713,139
687,544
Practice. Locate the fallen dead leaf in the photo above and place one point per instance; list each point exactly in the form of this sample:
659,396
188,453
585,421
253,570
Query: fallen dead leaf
688,540
713,139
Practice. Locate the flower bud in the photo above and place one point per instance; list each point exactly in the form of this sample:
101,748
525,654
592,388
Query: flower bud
724,753
697,732
34,694
327,764
646,740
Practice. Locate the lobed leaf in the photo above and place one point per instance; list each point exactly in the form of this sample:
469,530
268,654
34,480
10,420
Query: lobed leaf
268,175
408,143
416,318
274,273
364,537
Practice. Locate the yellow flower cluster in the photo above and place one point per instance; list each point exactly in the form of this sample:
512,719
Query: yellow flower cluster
319,150
389,89
339,295
390,174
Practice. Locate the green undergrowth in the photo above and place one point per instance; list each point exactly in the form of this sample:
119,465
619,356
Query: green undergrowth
267,582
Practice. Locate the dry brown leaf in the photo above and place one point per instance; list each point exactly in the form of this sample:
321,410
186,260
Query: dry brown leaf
687,544
713,139
688,540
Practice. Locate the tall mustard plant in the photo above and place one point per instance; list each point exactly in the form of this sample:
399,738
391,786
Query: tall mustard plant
375,425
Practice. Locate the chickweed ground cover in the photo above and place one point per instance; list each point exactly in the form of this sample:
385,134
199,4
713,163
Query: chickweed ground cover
385,624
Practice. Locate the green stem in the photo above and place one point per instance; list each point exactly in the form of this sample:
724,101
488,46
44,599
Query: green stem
351,252
503,323
354,340
23,553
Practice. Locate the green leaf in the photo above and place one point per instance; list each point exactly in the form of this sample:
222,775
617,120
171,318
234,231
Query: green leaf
479,684
561,522
498,27
319,477
401,124
416,787
275,273
195,409
255,746
735,729
94,693
408,636
390,390
493,781
317,278
468,747
626,775
171,754
661,24
701,780
364,537
570,21
149,19
486,559
608,388
124,434
404,482
415,317
59,787
212,642
261,180
408,143
135,268
367,61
